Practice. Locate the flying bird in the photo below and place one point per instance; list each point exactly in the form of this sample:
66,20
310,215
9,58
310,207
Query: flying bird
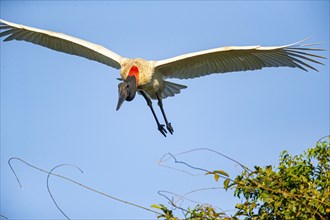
147,78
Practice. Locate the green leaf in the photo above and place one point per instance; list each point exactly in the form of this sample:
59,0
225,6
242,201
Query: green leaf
277,204
216,177
221,172
225,183
156,206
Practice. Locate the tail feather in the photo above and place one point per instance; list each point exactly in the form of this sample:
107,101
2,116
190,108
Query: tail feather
170,89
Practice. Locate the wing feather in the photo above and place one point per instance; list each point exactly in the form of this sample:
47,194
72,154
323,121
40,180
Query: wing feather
233,59
307,54
60,42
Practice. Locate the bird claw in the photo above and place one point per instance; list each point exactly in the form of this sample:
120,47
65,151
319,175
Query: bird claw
170,128
162,129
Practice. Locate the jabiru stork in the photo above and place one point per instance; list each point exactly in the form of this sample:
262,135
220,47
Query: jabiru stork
148,77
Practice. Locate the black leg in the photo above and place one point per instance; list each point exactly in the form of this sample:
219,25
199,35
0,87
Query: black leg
149,103
168,125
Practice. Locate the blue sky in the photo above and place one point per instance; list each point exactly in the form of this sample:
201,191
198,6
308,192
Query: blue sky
57,108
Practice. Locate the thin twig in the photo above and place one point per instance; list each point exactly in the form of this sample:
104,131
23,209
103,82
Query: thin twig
193,167
51,195
326,136
160,192
77,183
217,152
160,163
185,196
164,159
2,216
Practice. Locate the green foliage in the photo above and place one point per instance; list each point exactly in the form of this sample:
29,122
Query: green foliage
168,214
202,212
298,188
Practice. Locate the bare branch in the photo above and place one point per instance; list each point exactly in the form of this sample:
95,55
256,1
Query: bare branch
2,216
161,193
163,159
324,137
77,183
184,197
51,195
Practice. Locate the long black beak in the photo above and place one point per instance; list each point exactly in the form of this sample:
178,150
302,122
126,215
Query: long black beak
122,97
120,102
126,91
123,92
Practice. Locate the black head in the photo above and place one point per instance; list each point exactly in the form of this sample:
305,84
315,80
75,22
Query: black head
126,90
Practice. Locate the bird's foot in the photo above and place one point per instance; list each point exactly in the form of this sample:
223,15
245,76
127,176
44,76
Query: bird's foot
162,129
169,128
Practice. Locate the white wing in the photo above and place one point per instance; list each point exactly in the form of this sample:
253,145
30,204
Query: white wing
232,59
60,42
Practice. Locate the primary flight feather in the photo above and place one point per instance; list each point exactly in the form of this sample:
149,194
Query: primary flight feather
147,77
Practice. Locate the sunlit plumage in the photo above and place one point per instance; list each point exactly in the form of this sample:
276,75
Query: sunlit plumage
147,77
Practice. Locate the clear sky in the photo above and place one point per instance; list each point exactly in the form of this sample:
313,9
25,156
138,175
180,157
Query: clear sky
57,108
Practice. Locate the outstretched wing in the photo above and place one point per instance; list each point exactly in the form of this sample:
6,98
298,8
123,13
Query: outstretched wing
233,59
60,42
